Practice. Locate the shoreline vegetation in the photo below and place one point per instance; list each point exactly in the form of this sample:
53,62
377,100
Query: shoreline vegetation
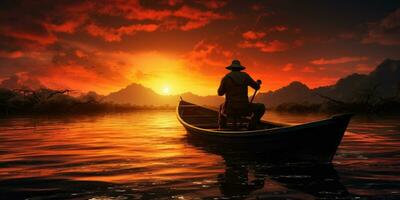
61,102
369,102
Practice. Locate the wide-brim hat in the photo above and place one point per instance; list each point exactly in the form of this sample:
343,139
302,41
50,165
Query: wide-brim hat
235,65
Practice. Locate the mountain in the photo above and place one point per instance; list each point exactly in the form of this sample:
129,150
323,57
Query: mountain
383,82
387,77
211,100
137,94
294,92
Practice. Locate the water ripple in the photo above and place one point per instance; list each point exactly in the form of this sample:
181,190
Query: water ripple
145,155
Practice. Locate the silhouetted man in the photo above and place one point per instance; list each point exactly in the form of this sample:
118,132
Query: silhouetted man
234,87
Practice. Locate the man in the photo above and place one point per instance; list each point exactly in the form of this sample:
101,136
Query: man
234,87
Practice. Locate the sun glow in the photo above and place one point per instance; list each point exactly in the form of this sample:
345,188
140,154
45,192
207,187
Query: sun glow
166,90
171,76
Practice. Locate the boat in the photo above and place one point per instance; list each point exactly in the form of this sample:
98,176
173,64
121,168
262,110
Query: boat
315,141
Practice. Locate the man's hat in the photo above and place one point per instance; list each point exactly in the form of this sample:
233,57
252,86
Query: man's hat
235,65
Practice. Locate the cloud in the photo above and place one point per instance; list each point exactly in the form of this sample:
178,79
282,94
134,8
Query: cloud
288,67
385,32
212,4
256,39
208,58
68,26
42,22
115,34
364,68
323,61
11,54
308,69
80,53
96,62
64,65
21,81
279,28
190,25
173,2
253,35
184,18
268,47
131,10
38,22
197,18
34,33
10,83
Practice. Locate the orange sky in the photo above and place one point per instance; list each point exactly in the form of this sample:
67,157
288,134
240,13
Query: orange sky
176,46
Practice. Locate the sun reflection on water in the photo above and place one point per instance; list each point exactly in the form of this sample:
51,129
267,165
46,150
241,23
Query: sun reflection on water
148,153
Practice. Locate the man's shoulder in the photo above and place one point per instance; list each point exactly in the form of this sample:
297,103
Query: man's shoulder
226,76
245,73
236,73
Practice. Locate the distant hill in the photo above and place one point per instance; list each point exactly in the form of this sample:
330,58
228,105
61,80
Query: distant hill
294,92
383,82
137,94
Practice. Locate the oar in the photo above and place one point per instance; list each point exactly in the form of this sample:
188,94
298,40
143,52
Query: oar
255,92
252,98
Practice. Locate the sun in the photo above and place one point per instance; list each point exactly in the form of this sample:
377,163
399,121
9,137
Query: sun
166,90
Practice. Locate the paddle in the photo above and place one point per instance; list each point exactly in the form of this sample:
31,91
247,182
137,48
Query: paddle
252,98
255,92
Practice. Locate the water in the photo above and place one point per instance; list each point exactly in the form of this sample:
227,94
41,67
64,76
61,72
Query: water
147,155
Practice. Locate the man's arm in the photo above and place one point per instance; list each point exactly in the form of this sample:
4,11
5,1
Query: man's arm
222,88
253,84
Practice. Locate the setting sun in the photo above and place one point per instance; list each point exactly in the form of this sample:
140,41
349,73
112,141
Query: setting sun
166,90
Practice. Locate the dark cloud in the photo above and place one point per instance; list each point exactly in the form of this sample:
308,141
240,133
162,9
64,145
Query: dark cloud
340,60
212,4
267,47
115,34
385,32
185,17
17,82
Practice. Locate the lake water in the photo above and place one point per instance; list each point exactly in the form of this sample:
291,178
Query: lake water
147,155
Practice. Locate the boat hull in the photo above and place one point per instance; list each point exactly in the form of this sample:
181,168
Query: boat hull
315,141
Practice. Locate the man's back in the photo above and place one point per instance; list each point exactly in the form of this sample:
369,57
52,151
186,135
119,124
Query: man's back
234,86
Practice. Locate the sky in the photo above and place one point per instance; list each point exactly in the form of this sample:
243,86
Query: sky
176,46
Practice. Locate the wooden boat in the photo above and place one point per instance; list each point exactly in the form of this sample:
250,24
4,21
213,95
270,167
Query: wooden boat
314,141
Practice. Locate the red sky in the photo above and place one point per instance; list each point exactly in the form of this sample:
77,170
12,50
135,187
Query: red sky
186,45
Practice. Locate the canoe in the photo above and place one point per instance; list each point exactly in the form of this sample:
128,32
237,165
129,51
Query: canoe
315,141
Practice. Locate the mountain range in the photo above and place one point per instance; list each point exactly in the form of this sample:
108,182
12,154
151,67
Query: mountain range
383,82
137,94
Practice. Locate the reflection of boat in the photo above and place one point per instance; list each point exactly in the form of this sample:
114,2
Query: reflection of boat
315,141
247,174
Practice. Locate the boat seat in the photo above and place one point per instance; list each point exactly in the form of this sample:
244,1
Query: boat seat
237,121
